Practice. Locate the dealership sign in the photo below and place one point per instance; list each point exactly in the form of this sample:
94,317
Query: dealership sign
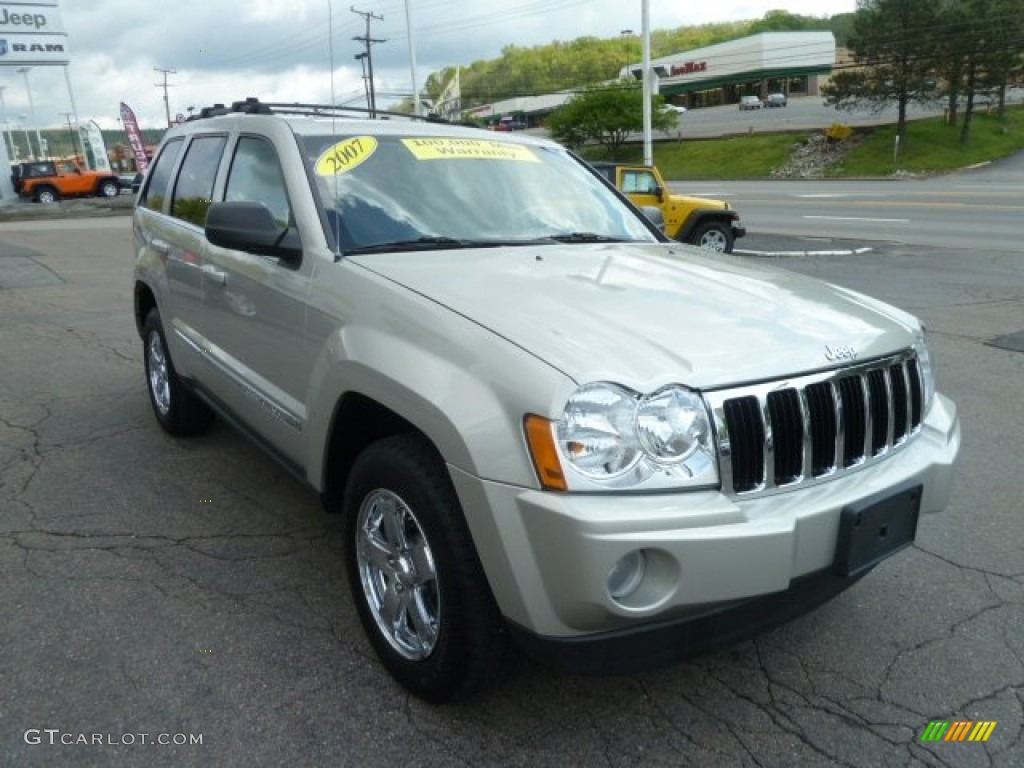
32,33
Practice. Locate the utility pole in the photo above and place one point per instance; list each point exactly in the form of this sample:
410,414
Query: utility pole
165,86
361,58
71,130
368,41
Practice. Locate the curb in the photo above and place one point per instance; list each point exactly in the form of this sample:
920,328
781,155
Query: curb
785,254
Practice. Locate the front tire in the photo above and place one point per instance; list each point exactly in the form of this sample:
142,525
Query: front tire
414,574
713,236
176,409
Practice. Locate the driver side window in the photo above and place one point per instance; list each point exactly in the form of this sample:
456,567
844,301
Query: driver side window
639,183
256,176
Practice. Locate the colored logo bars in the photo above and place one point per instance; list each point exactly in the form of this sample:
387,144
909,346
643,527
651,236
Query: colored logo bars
958,730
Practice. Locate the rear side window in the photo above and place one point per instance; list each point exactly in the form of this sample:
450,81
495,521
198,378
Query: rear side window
155,194
193,191
256,177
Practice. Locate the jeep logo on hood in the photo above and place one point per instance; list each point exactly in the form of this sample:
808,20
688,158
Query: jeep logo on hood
840,353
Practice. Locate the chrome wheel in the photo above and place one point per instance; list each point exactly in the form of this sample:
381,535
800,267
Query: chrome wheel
46,197
159,382
398,574
714,240
109,189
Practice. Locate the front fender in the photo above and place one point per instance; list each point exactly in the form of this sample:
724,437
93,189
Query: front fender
468,398
698,217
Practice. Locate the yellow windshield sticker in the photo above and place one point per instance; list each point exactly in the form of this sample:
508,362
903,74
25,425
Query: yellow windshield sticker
345,155
468,149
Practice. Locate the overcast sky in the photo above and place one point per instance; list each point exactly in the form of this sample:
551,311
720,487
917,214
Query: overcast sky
278,50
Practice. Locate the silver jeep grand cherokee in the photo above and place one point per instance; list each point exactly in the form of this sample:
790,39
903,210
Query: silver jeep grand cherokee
541,420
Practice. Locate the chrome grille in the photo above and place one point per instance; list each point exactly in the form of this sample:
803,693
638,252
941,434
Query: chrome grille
784,434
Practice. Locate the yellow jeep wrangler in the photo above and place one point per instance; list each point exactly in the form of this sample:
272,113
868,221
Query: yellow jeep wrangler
702,222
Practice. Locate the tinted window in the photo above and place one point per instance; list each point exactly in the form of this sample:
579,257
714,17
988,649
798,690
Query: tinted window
160,176
256,177
193,192
379,190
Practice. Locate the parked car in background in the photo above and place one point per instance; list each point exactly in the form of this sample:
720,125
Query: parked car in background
676,108
749,102
706,223
775,100
510,123
48,181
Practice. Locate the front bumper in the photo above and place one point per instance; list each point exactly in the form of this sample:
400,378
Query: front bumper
548,555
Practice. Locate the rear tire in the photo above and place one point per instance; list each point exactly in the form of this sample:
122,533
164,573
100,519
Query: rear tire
47,195
713,236
109,188
177,410
414,573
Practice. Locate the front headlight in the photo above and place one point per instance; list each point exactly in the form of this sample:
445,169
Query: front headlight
612,437
671,425
924,362
596,431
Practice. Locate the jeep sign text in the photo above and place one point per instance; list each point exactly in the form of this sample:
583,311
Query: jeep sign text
35,20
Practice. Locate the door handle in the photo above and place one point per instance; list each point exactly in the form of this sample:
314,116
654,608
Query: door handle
160,246
216,275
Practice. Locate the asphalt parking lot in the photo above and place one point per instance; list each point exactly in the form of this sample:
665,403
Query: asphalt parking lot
191,592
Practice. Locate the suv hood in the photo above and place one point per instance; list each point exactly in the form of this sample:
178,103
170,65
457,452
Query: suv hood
648,315
704,203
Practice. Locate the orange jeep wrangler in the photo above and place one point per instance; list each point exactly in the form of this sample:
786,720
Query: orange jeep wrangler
48,181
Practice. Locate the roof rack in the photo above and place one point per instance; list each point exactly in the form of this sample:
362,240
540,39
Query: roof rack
253,106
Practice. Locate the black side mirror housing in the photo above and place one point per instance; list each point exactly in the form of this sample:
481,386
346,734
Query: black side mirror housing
247,226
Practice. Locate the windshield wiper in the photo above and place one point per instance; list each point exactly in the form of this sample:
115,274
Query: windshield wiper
425,244
585,237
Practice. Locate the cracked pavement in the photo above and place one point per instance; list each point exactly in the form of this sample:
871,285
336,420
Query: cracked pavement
152,585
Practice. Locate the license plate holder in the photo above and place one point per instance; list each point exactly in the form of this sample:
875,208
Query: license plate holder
876,527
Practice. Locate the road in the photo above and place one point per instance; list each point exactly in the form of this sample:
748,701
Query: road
980,209
154,586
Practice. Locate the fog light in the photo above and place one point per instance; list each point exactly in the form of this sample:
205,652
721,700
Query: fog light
627,574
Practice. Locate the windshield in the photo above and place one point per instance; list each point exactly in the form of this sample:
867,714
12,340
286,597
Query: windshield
400,193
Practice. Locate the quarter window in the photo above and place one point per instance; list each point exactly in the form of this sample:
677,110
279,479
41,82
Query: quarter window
160,176
194,191
256,176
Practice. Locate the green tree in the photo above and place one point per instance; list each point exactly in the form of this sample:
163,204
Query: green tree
607,115
894,54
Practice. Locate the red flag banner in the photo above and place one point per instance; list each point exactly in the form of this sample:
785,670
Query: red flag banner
131,127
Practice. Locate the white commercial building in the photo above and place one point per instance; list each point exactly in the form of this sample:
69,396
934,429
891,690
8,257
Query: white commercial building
771,62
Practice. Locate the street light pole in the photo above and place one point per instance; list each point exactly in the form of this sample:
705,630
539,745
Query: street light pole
625,36
32,112
646,69
8,141
417,109
24,128
71,132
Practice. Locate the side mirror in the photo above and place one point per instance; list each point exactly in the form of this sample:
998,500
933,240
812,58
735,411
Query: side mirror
655,216
251,227
660,194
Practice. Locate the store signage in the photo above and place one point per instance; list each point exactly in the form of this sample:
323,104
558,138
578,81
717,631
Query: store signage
689,68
